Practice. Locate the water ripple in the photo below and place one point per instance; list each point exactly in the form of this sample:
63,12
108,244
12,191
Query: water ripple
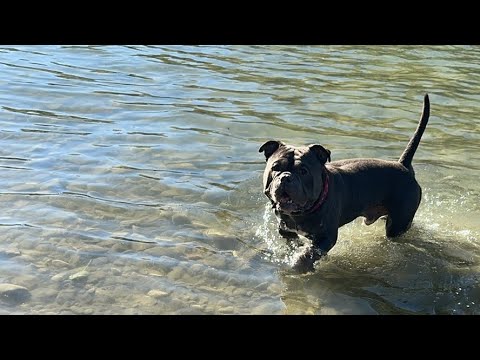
131,178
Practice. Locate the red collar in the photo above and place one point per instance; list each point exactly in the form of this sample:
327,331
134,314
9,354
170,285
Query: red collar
322,197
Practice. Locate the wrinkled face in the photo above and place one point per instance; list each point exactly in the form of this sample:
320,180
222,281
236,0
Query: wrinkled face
292,179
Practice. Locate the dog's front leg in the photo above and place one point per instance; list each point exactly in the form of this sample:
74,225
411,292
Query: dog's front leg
289,235
286,229
305,262
321,244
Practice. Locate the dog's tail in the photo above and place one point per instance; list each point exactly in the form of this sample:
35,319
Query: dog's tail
407,156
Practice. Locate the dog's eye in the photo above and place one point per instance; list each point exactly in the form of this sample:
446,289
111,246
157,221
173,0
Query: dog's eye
303,171
276,166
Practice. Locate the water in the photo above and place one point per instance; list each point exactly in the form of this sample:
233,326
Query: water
131,178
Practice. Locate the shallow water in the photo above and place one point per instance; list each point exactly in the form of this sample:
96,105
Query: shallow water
131,178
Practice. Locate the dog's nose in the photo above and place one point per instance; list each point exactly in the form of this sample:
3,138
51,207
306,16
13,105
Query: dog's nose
286,177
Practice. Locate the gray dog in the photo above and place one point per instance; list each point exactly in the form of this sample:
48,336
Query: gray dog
313,198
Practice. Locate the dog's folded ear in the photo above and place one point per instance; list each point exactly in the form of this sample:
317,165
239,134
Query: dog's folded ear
322,153
270,147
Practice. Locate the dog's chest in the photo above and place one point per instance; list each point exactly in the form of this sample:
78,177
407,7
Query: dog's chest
300,226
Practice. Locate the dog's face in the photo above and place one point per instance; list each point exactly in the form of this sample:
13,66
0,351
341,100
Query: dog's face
293,175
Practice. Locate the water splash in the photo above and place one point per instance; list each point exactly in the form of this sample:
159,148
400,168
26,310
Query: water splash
282,251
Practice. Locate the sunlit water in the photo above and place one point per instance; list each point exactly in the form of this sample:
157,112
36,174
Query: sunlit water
131,178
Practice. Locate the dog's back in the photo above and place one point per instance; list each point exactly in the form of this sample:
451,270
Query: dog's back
373,187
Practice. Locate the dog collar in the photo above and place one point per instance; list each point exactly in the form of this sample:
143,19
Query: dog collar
322,197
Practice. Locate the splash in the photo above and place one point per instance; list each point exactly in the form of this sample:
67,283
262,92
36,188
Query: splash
281,250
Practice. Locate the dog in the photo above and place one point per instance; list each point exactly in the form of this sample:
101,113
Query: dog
313,196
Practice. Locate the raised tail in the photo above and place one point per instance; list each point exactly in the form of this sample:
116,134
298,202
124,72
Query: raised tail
407,156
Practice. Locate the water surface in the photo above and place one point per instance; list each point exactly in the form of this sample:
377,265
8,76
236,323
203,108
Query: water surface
131,178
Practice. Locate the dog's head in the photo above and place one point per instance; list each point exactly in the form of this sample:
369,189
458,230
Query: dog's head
293,176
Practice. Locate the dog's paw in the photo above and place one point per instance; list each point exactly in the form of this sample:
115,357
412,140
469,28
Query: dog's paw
305,262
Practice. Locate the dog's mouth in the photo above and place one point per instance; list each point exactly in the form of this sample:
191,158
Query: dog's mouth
284,203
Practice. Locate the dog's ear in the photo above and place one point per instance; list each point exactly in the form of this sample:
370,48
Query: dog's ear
270,147
322,153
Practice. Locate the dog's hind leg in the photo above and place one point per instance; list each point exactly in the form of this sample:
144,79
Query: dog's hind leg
397,227
400,218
